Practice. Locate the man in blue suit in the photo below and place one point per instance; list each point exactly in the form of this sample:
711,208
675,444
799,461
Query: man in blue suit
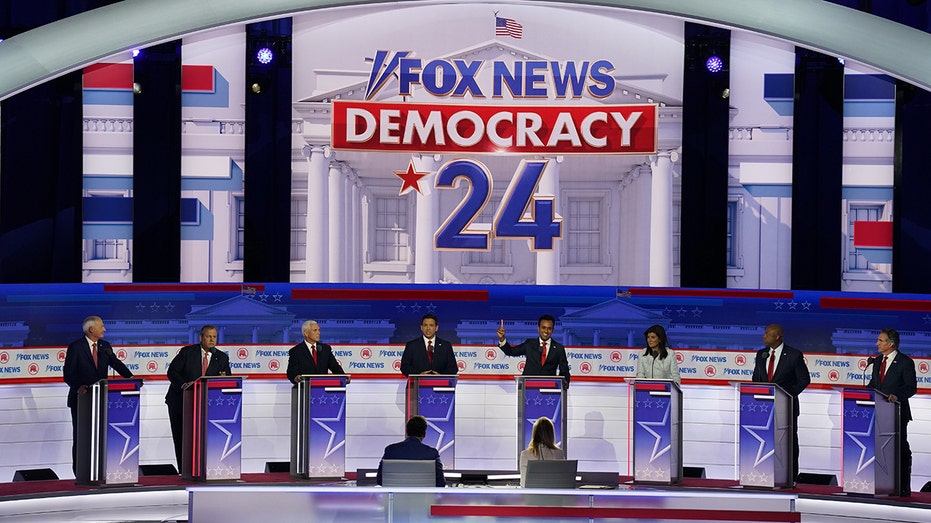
87,362
414,448
544,355
185,368
428,354
785,366
894,376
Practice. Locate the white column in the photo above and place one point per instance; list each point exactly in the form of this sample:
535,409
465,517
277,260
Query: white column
661,219
548,261
427,220
336,246
354,235
318,160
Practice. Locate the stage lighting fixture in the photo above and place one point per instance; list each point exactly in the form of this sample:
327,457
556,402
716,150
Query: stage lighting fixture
264,56
714,64
135,53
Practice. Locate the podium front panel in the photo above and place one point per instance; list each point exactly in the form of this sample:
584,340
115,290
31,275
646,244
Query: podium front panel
433,396
871,444
216,429
538,397
657,431
765,436
108,433
318,424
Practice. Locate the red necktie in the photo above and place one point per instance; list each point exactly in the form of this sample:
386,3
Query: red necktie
203,365
94,353
430,351
313,352
543,351
772,365
882,370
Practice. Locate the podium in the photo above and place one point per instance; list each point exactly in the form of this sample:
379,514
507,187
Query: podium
657,443
108,433
433,396
212,443
765,455
318,427
871,443
539,396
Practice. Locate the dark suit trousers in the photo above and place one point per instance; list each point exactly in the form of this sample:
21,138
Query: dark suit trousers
176,418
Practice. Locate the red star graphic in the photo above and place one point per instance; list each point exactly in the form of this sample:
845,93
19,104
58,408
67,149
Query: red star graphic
411,178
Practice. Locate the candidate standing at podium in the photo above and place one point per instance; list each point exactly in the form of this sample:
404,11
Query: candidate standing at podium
428,354
657,361
544,355
785,366
87,362
310,356
192,362
894,376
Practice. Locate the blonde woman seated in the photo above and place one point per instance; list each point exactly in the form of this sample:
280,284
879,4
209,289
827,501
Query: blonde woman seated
542,446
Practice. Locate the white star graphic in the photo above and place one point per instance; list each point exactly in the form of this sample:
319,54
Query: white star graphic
127,451
657,451
330,447
760,456
227,449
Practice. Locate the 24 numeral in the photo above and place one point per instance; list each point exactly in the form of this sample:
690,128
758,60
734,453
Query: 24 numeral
521,214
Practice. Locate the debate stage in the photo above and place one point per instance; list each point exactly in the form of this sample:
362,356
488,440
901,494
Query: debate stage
275,496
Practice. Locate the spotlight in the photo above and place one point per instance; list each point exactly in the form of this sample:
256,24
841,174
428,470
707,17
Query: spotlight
256,88
135,53
264,56
714,64
137,88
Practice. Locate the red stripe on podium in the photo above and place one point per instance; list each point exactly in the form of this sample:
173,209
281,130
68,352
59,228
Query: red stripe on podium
756,390
326,383
436,383
539,384
652,386
122,386
857,395
226,384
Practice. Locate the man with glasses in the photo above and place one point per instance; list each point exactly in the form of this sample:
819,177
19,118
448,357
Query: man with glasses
894,376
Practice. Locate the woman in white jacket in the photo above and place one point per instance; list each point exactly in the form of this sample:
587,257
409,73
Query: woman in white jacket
657,361
542,446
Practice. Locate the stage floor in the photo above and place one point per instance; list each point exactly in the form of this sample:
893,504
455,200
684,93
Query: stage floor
167,498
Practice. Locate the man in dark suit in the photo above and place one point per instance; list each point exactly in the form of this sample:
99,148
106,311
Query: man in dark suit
192,362
310,356
894,376
86,363
544,355
785,366
414,448
428,354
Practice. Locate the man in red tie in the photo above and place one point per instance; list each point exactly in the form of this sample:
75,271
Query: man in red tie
192,362
429,354
311,356
87,361
545,356
785,366
894,376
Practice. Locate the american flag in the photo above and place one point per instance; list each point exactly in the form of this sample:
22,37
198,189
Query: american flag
508,27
